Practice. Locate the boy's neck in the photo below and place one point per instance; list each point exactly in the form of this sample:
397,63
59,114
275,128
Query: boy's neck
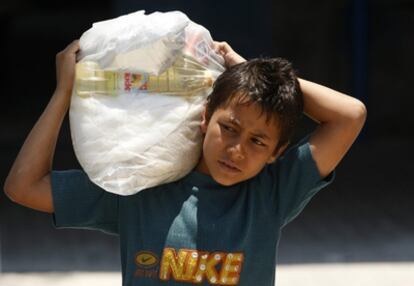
202,166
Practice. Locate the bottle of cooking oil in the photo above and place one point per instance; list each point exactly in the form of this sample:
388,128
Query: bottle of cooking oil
184,77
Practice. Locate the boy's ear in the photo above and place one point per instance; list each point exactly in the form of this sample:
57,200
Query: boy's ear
277,153
204,122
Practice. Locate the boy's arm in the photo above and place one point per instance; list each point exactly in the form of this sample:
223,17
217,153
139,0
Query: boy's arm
28,182
340,119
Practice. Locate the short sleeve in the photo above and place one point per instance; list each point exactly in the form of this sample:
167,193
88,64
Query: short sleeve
296,180
79,203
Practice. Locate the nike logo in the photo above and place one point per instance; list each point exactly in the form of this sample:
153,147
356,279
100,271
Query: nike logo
145,259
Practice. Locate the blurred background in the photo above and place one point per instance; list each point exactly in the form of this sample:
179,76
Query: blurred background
360,227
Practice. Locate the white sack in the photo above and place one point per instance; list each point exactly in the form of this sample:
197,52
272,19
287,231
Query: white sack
127,143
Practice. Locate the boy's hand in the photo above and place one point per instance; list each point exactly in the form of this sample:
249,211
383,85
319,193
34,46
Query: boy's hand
65,68
231,58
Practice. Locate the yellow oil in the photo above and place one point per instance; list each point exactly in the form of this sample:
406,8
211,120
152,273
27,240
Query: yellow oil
184,77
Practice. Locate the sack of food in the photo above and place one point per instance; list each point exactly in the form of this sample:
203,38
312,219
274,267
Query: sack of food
141,83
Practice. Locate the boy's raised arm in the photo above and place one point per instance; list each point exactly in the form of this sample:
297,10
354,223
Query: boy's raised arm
340,119
28,182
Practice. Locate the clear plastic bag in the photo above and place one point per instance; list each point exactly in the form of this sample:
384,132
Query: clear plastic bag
129,139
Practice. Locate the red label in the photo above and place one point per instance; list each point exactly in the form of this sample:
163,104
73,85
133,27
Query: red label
127,82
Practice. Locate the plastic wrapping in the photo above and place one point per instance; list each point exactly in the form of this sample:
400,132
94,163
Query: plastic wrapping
130,141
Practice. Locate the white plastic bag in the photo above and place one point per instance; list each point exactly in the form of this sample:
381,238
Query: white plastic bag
130,142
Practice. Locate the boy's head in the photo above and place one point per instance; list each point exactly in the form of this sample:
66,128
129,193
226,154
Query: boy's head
249,118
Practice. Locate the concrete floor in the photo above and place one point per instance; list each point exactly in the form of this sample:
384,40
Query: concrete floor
355,274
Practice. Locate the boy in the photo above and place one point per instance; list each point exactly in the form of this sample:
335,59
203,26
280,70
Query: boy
221,223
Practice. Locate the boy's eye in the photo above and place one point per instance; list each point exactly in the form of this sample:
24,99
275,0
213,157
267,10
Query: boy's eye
227,128
258,142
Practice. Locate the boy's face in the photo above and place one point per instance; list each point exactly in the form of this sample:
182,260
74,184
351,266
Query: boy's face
238,143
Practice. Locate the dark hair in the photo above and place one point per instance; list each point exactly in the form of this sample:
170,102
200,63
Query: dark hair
271,83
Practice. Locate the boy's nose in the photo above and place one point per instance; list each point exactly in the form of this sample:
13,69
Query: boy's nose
236,152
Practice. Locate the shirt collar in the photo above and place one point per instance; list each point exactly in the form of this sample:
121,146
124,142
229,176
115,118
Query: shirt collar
201,180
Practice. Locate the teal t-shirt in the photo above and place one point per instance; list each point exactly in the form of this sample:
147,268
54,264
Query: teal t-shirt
195,230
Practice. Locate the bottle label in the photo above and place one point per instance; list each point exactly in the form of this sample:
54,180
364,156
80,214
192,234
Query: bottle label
135,82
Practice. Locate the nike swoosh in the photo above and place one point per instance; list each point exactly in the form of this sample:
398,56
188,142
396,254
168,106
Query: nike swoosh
145,259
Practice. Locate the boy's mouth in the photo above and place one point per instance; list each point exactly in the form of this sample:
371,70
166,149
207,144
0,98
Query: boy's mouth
229,166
